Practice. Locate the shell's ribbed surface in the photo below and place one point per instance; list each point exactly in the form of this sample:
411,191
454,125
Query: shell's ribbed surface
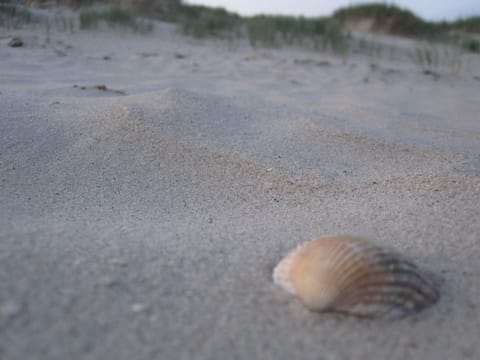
348,274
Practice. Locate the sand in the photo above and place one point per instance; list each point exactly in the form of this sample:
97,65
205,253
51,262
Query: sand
141,219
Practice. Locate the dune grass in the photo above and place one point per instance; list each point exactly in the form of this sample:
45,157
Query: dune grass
470,44
322,33
201,21
14,16
434,59
471,24
391,19
386,18
261,30
114,17
271,31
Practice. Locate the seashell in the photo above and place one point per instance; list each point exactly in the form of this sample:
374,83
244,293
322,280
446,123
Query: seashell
348,274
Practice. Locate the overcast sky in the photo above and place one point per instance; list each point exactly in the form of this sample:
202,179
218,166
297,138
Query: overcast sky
428,9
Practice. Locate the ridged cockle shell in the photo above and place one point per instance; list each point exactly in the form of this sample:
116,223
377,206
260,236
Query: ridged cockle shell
348,274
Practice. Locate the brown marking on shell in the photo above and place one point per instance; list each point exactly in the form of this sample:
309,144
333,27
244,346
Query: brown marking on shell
348,274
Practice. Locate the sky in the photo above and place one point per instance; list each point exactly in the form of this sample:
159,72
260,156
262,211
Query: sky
427,9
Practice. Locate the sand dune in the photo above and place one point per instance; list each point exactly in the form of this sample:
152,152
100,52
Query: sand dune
142,219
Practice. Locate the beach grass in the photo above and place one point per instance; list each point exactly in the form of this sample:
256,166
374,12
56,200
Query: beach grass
387,18
114,17
434,59
320,33
470,44
327,33
470,24
15,16
261,30
265,30
201,21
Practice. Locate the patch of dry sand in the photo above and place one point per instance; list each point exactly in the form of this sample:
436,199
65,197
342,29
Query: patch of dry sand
146,224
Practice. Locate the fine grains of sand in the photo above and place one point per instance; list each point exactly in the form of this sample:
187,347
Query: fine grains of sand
145,224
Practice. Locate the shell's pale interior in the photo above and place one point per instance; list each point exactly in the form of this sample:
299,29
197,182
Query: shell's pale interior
306,272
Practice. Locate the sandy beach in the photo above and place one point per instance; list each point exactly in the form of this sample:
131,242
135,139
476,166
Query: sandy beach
150,183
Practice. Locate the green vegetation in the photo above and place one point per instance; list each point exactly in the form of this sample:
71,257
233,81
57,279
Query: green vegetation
426,58
386,18
433,58
201,21
323,33
471,24
470,44
13,16
275,30
391,19
261,30
115,17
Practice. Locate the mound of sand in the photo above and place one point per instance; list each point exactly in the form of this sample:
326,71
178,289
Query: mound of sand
146,225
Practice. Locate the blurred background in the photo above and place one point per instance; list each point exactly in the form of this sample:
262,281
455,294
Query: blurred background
428,9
